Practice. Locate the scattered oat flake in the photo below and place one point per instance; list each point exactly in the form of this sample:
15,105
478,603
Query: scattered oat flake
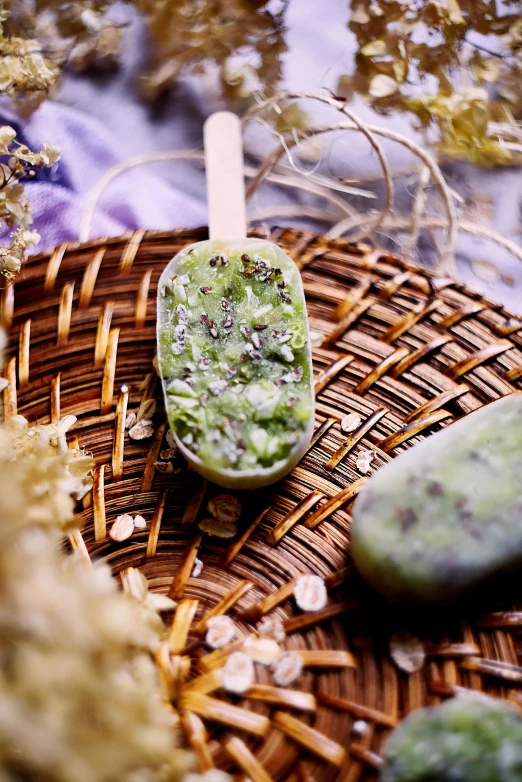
139,522
218,529
287,668
407,652
310,593
360,727
486,271
142,430
130,420
122,528
225,507
238,673
271,628
165,467
262,650
198,567
316,338
350,422
221,630
167,453
364,460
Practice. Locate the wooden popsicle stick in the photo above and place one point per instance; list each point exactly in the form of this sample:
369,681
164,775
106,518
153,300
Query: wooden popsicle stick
225,178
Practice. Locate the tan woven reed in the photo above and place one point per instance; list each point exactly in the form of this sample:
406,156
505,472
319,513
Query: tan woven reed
406,351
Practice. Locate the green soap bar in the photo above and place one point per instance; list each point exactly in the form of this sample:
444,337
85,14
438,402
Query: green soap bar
463,740
235,360
447,513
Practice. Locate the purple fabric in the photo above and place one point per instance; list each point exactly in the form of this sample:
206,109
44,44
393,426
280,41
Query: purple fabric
138,198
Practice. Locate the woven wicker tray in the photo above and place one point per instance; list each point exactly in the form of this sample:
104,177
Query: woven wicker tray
406,351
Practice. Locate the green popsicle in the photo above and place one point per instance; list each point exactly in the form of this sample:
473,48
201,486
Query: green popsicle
447,513
463,740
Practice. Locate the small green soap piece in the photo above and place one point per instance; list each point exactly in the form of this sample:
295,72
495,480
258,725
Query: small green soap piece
235,360
462,740
446,514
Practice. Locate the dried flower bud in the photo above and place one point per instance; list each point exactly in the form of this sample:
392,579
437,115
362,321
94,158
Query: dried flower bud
218,529
225,507
142,430
238,673
407,652
364,460
310,593
287,669
221,630
122,528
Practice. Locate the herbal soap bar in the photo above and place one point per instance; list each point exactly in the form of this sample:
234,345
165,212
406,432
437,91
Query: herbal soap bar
447,513
235,360
463,740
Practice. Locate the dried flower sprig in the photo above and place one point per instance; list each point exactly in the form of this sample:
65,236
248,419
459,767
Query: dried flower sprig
18,162
79,692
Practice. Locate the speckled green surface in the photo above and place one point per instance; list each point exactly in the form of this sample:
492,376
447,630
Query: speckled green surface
462,740
446,513
234,354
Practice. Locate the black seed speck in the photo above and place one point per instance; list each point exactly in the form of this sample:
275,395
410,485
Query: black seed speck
203,318
245,258
228,323
214,333
205,289
260,327
213,261
281,284
435,489
286,298
407,517
278,272
225,305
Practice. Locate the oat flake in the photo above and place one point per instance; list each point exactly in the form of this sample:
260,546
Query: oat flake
139,522
407,652
221,630
262,650
350,422
130,420
218,529
122,528
198,567
142,430
238,673
225,507
287,668
271,628
310,593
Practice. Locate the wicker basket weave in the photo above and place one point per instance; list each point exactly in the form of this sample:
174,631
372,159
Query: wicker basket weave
406,351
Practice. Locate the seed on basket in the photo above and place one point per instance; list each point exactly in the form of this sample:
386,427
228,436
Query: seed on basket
238,673
225,507
168,453
271,628
262,650
350,422
122,528
221,630
218,529
310,593
364,460
142,430
407,652
287,668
